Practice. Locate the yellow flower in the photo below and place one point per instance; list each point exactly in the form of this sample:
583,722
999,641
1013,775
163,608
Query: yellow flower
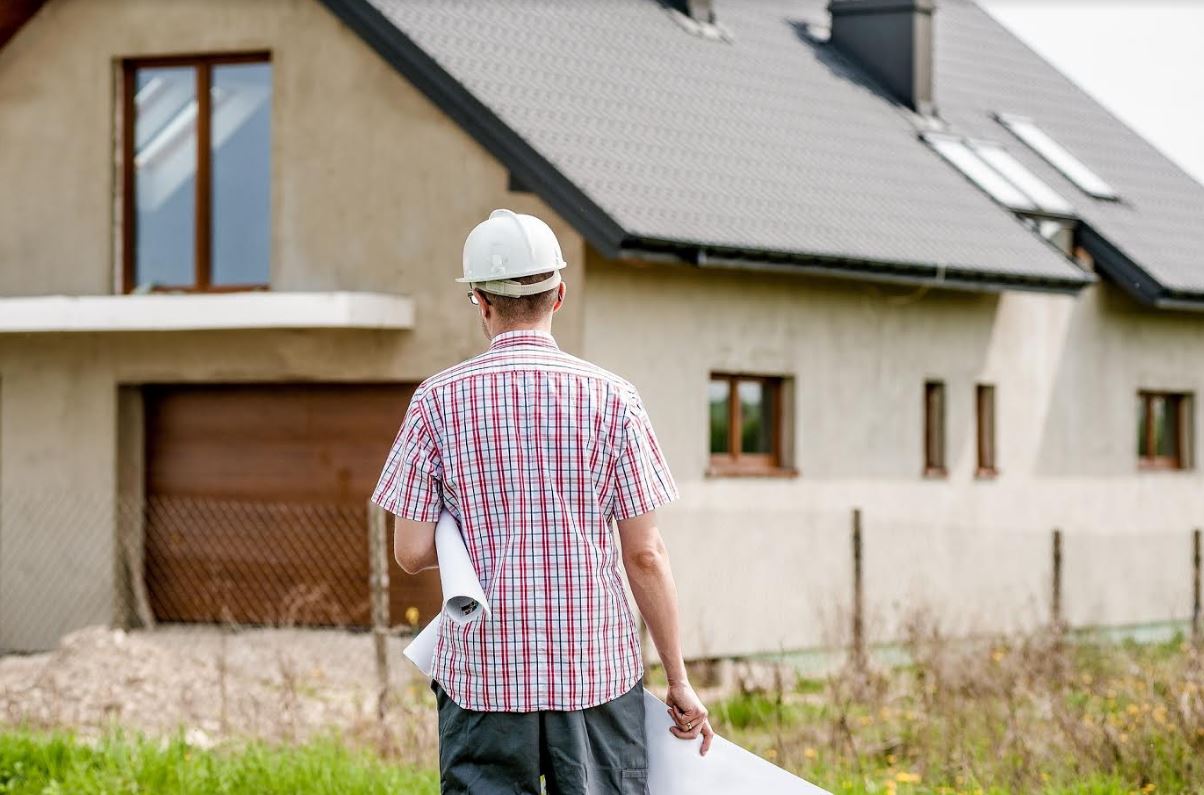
809,753
907,778
1148,788
771,753
412,616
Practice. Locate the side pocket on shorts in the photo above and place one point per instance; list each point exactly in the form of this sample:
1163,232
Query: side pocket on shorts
635,781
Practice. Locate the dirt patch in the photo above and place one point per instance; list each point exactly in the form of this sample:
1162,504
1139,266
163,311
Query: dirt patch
217,686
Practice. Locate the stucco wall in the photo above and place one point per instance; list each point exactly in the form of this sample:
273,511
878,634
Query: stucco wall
373,188
766,563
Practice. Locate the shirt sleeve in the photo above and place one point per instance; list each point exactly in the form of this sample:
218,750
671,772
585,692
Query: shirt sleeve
410,483
642,476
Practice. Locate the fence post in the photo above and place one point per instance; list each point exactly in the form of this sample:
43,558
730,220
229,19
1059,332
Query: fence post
1197,631
378,551
858,649
1056,603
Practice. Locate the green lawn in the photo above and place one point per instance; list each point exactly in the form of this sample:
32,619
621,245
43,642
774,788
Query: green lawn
49,763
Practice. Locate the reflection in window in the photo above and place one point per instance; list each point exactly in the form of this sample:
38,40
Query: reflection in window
756,423
166,160
241,171
934,428
1164,430
985,417
200,157
721,428
1057,155
745,424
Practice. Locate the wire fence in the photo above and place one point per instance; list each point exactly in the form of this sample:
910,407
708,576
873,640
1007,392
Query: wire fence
845,580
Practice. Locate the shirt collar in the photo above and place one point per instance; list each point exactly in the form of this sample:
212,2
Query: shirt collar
508,339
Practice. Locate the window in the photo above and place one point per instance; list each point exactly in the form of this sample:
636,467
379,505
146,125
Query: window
1164,430
989,166
1057,155
196,202
746,425
934,428
984,405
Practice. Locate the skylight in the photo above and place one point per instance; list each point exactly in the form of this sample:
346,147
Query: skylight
1057,155
1005,179
1044,196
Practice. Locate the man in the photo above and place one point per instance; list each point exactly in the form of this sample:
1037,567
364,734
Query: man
535,452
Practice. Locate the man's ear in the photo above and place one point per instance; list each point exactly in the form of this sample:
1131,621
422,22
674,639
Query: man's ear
484,306
560,291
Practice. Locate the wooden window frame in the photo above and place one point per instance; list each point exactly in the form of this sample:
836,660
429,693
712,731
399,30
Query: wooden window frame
935,468
1182,403
735,463
985,421
203,221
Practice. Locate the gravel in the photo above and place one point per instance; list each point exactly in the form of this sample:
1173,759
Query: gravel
216,686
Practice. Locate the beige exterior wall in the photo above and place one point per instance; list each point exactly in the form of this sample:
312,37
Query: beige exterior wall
765,564
373,189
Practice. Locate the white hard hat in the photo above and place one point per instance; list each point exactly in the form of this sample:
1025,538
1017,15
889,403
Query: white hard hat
506,246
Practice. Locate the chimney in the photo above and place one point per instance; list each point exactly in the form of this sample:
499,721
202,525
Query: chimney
697,10
892,40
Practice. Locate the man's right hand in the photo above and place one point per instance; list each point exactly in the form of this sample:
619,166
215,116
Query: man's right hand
689,715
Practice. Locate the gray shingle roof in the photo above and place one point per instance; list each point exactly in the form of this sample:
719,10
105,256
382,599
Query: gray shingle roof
771,144
1158,221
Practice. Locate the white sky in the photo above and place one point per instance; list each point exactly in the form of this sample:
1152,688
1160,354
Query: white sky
1142,59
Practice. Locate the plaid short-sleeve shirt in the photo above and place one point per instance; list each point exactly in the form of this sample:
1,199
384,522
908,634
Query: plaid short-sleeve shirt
534,451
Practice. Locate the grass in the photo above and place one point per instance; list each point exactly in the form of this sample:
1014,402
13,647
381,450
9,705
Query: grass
1038,714
50,763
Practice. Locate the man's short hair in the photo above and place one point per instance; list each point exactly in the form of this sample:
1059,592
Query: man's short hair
526,308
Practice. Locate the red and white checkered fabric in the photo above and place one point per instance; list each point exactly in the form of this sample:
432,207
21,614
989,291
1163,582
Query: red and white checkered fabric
534,451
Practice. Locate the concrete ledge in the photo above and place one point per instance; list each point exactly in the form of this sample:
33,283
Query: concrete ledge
203,311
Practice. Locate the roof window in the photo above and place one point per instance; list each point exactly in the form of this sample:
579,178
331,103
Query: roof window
989,166
1058,156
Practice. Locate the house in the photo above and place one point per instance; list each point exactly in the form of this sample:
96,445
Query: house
876,256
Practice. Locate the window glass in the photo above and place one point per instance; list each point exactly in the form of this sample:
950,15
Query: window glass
165,159
1143,441
984,176
240,140
720,403
756,422
1057,156
1166,426
934,422
1042,195
986,428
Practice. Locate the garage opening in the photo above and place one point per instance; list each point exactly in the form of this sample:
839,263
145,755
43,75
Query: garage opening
256,503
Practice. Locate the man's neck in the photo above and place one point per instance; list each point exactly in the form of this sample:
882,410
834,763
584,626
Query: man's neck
544,326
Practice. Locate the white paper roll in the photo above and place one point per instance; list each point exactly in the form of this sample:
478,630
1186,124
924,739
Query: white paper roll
463,597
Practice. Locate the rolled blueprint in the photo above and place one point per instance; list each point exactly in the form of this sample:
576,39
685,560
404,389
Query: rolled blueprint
463,597
674,766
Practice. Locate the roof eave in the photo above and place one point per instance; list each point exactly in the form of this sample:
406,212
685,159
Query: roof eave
880,271
524,162
1135,280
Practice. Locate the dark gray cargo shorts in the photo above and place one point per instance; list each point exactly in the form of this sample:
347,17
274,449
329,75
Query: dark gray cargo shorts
599,750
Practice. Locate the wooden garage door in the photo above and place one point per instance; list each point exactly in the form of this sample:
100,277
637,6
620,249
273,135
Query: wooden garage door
256,503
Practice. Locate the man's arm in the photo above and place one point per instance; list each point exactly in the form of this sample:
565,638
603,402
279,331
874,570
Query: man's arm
414,544
647,564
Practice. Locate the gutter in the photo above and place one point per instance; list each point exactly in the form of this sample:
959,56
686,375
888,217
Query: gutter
1134,279
880,271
